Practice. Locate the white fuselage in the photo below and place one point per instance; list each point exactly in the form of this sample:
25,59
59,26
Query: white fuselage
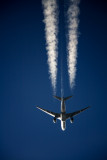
63,115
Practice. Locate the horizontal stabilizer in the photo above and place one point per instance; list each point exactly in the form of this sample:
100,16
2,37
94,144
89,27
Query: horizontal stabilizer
66,98
59,98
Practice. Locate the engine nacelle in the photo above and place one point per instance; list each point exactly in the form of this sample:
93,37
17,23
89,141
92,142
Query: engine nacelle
71,120
54,120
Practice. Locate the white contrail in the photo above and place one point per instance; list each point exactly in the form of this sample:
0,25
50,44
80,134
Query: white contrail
51,31
73,22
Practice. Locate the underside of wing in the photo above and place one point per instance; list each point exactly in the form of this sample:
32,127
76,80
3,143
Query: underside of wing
53,114
69,115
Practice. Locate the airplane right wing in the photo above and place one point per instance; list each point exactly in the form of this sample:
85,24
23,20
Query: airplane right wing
53,114
69,115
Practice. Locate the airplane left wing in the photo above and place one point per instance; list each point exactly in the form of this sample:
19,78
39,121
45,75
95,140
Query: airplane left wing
69,115
53,114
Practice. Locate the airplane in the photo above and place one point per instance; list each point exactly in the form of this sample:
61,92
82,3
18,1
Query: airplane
63,116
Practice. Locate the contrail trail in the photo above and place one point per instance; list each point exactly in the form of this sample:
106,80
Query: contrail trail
73,22
51,31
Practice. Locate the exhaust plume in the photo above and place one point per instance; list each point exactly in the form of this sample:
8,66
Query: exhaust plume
50,11
73,22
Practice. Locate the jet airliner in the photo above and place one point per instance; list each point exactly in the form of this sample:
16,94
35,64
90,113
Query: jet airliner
63,116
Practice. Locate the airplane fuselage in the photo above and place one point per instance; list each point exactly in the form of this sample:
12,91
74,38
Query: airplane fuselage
63,108
63,114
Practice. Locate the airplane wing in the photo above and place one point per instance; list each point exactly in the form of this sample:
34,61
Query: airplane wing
69,115
53,114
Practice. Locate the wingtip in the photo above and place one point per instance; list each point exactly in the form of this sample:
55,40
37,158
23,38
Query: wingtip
87,107
37,106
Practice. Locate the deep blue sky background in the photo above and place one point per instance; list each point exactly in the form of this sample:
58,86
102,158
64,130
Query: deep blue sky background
25,132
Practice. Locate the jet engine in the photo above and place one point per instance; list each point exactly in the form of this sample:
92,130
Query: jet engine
54,120
71,120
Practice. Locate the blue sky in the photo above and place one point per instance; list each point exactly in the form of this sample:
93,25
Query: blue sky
25,132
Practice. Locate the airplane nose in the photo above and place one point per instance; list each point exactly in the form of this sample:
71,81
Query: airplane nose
63,125
63,129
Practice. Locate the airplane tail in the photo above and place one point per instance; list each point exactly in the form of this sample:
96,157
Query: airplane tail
59,98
